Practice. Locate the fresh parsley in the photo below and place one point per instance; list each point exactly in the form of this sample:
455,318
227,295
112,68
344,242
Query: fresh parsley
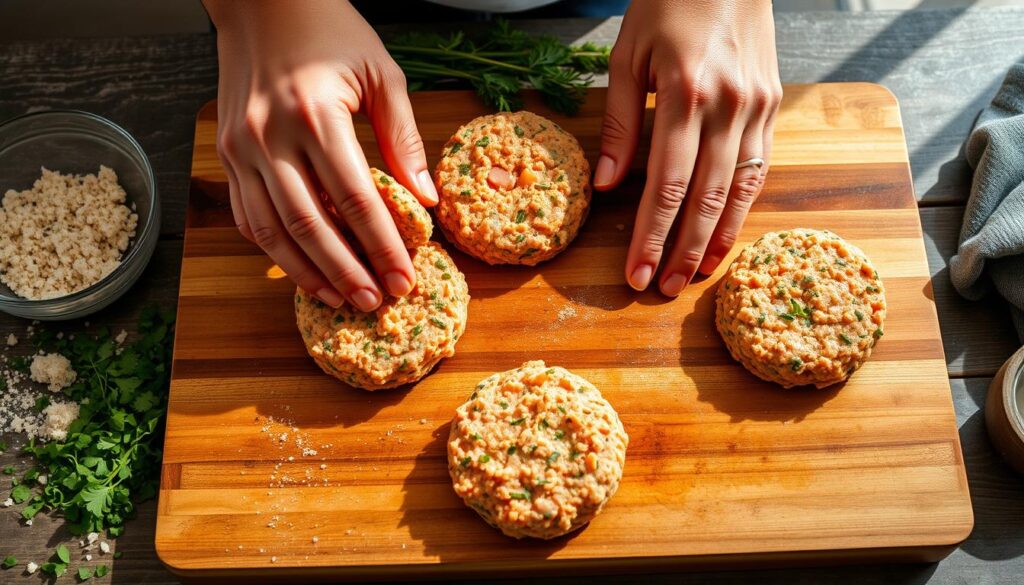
797,311
110,459
498,62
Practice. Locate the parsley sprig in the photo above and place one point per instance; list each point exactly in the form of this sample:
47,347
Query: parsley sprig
111,456
797,311
499,62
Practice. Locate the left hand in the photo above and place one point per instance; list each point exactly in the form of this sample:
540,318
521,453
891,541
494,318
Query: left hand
714,68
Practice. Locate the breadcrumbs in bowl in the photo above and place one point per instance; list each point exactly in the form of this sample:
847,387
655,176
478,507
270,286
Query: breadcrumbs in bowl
79,212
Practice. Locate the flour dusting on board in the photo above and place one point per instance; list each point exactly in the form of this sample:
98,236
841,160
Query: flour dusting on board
302,460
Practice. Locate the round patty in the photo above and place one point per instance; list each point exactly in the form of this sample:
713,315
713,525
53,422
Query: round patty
514,188
402,340
801,307
536,451
411,218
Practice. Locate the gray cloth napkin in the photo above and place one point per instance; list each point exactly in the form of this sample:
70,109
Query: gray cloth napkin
991,252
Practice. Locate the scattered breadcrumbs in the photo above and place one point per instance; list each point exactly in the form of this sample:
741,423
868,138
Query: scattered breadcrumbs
64,234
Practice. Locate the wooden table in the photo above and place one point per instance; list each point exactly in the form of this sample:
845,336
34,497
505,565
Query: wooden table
943,65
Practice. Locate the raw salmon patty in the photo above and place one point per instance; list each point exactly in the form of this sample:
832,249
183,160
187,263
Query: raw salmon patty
801,307
536,451
513,188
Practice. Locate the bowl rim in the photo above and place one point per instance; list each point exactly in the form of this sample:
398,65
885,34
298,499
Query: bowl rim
1013,382
148,227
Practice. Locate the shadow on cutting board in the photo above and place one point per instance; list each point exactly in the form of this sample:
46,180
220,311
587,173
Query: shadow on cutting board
741,395
440,520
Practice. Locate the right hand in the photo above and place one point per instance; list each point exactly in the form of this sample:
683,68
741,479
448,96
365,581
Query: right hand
292,75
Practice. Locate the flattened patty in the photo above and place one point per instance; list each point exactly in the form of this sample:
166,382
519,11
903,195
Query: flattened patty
513,188
402,340
801,307
536,451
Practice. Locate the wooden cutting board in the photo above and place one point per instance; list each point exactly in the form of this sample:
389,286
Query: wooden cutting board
271,467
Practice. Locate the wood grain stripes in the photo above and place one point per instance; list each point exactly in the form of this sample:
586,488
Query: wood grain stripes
722,467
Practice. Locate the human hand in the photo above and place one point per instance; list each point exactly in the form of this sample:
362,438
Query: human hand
713,66
292,75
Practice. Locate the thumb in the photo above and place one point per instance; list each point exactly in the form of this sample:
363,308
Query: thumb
398,137
623,122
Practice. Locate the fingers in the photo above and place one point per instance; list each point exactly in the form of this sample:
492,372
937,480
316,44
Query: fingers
346,177
235,197
673,152
623,121
399,140
709,192
268,233
307,223
746,186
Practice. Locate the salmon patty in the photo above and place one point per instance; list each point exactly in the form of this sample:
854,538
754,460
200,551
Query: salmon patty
536,451
402,340
513,188
801,307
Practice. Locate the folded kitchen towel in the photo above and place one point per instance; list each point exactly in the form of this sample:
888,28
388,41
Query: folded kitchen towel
991,251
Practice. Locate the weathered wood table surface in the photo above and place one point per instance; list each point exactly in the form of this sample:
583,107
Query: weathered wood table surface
943,65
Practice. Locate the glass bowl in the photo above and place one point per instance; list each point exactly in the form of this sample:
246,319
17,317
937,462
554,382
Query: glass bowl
74,142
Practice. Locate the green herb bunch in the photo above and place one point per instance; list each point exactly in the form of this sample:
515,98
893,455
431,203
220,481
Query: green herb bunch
111,456
499,62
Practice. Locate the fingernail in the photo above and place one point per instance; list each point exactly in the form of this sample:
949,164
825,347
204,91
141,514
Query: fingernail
641,276
397,284
674,285
330,297
605,171
365,300
426,184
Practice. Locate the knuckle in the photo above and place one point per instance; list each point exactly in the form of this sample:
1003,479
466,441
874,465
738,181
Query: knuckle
309,108
614,131
690,256
712,202
304,277
652,246
747,189
407,138
265,236
357,209
252,127
303,225
392,75
776,96
346,277
737,97
671,192
227,146
761,98
726,238
699,97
